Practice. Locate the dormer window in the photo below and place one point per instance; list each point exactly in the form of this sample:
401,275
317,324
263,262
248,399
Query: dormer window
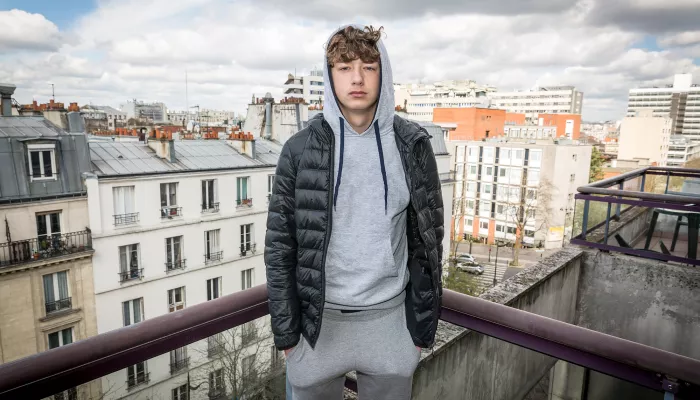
42,162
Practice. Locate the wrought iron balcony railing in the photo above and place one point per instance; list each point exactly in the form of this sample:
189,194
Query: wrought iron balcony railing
173,265
58,305
126,219
43,374
131,274
170,212
247,249
210,208
43,247
244,202
213,257
178,365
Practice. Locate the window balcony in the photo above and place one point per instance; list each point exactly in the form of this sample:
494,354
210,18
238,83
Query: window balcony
126,219
247,249
243,203
45,247
170,212
139,379
210,208
175,265
58,305
179,365
213,257
130,275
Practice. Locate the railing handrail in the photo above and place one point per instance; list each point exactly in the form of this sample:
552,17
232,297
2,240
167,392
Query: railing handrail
53,371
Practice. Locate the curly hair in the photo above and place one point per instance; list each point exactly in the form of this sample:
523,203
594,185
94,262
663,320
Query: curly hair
352,43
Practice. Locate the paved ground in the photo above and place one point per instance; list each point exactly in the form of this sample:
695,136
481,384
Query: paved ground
505,256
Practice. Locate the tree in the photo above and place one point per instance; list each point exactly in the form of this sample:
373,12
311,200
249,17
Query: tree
525,205
461,282
597,162
243,365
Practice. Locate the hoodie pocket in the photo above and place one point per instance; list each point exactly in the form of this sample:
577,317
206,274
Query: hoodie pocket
389,258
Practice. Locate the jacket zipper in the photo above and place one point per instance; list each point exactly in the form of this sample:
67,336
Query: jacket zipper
331,180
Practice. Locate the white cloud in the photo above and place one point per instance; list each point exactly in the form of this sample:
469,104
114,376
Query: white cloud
24,31
233,50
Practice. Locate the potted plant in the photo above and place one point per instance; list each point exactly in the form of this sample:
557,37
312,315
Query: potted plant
36,255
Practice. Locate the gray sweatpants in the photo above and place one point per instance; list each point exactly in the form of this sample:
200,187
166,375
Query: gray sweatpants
374,343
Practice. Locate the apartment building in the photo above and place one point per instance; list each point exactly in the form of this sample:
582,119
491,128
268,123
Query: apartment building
309,87
205,116
420,100
679,101
681,150
46,269
645,136
176,223
153,112
542,100
501,185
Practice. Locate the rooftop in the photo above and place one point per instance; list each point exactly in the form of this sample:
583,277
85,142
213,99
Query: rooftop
30,127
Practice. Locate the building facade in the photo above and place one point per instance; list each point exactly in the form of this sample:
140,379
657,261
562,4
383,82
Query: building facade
153,112
645,136
679,101
46,270
309,87
176,223
681,150
205,116
543,100
500,188
420,100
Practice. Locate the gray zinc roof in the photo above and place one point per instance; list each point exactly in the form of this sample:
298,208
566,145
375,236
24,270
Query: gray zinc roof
127,158
29,127
437,140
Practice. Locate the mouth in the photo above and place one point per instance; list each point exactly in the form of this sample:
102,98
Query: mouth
358,94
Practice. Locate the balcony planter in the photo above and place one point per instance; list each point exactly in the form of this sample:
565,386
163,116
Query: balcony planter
36,255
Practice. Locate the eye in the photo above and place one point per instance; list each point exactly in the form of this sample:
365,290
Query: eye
344,68
371,68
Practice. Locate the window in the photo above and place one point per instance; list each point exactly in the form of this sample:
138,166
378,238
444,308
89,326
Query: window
212,252
570,197
178,359
487,188
133,311
209,202
60,338
270,185
216,383
213,288
529,233
500,209
168,200
56,292
173,253
485,209
518,154
470,204
242,198
575,157
488,152
48,225
510,230
472,169
129,262
42,162
248,369
484,224
489,171
531,194
247,279
471,187
535,155
124,205
246,239
572,178
533,177
180,393
469,222
176,299
505,154
500,228
248,332
502,172
136,374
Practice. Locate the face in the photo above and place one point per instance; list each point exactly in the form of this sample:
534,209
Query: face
356,85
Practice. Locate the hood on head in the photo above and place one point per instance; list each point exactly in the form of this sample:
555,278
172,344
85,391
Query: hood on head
385,108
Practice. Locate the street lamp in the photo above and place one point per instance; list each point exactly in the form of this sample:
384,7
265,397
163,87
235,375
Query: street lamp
499,244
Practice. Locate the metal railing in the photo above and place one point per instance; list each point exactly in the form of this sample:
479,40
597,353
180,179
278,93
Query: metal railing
170,212
138,379
214,257
58,305
126,219
620,207
179,264
178,365
132,274
43,374
248,248
244,202
446,177
44,247
210,208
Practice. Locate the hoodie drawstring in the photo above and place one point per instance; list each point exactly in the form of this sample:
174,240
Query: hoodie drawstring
381,163
340,161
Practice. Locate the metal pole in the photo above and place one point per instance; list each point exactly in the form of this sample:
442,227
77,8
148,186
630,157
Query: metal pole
490,253
584,226
495,266
607,224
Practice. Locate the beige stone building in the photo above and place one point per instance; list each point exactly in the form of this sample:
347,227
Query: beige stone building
46,278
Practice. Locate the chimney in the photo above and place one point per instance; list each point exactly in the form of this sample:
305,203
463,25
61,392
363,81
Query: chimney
243,142
6,92
164,146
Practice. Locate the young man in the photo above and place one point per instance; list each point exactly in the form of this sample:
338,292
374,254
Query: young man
354,231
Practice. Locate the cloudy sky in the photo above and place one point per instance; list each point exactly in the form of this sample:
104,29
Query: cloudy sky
107,51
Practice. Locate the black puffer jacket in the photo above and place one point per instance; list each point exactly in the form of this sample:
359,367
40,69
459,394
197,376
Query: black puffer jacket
299,226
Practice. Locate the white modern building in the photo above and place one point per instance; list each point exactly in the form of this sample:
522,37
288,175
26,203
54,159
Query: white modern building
681,150
679,101
154,112
206,116
112,117
419,100
645,136
309,87
500,183
542,100
176,223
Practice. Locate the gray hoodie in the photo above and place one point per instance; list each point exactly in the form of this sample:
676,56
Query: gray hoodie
368,251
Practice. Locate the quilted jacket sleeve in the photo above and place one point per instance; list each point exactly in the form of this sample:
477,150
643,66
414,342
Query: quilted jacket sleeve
434,189
281,254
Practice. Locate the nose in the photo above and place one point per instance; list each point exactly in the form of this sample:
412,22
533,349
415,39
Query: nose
357,77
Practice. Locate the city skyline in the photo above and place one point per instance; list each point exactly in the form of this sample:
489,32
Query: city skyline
106,52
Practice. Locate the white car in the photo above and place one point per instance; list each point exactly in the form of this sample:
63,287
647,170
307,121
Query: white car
472,268
466,258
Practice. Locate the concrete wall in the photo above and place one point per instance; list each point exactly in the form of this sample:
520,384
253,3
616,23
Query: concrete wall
469,365
645,137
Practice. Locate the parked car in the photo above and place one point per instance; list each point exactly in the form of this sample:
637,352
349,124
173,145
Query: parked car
466,258
472,268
